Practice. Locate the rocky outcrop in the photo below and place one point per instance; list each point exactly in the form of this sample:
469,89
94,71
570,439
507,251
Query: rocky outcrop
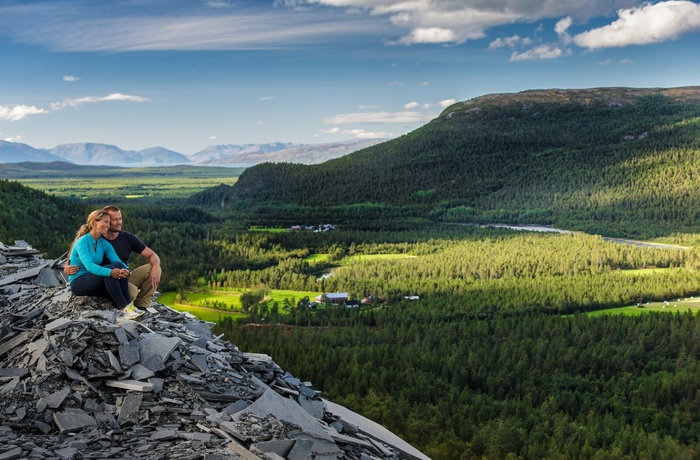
78,381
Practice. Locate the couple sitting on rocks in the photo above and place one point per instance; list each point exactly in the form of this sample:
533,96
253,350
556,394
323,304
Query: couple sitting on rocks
97,263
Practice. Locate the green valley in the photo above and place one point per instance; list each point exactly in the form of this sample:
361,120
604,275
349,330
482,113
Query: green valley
488,342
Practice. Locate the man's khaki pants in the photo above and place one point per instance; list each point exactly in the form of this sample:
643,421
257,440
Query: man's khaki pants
141,291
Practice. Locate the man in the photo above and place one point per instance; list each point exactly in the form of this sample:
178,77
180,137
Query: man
144,280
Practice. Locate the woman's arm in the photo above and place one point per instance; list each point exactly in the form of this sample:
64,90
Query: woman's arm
85,253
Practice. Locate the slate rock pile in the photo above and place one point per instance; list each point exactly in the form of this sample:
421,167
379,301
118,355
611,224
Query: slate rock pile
78,381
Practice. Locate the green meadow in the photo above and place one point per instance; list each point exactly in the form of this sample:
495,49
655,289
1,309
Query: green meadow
671,306
128,183
196,302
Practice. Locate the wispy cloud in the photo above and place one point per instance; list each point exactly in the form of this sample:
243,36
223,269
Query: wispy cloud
510,42
68,27
267,98
358,133
546,51
378,118
70,78
92,99
19,112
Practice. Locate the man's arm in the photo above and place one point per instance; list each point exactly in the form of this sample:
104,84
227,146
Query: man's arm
154,260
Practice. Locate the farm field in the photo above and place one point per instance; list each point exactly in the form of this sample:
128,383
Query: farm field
196,303
670,306
171,182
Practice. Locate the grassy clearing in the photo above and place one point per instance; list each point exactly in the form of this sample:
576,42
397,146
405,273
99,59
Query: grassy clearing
268,229
371,257
196,302
671,306
316,258
130,183
643,271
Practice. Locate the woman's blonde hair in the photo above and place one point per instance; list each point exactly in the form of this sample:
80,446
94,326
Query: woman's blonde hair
89,224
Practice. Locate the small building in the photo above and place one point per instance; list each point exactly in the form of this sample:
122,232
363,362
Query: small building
334,297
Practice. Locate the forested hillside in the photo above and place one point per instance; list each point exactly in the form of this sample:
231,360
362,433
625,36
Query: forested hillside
44,221
602,160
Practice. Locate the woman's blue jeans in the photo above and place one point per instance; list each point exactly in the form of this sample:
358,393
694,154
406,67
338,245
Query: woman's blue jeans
103,286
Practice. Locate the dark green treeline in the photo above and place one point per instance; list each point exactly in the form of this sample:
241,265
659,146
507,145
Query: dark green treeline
460,385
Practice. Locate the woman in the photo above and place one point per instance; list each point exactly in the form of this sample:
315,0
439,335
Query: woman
87,252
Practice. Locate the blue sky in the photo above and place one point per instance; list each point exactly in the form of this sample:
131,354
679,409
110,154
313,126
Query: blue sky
187,74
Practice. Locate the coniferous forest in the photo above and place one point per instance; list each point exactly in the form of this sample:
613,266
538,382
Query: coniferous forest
500,357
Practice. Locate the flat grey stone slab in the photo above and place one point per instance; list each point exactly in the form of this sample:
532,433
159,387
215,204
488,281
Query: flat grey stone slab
287,410
73,420
281,447
301,450
113,361
129,410
54,400
140,372
14,372
157,345
121,336
128,356
154,363
130,385
11,454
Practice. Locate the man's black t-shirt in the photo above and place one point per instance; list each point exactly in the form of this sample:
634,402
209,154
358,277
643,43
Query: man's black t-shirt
125,243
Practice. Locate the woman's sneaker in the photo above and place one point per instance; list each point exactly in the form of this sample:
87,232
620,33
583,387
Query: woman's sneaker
131,312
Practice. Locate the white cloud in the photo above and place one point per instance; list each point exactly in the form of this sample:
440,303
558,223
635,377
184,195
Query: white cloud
649,23
362,134
213,138
510,42
19,112
541,52
626,61
91,99
16,138
457,21
424,83
410,105
561,28
378,118
429,35
447,102
70,78
358,133
267,98
233,25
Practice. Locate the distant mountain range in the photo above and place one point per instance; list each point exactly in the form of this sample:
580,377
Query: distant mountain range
219,155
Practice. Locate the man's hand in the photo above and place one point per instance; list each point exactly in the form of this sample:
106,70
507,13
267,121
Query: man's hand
155,277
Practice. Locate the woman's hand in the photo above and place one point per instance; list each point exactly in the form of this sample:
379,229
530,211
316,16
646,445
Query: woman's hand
120,273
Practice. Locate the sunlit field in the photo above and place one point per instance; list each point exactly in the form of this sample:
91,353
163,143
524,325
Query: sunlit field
133,183
196,302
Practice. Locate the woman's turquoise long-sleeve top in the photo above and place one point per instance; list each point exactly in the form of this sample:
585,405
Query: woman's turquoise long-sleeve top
88,254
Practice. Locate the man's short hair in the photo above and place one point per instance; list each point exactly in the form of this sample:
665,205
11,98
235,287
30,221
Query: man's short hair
111,208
